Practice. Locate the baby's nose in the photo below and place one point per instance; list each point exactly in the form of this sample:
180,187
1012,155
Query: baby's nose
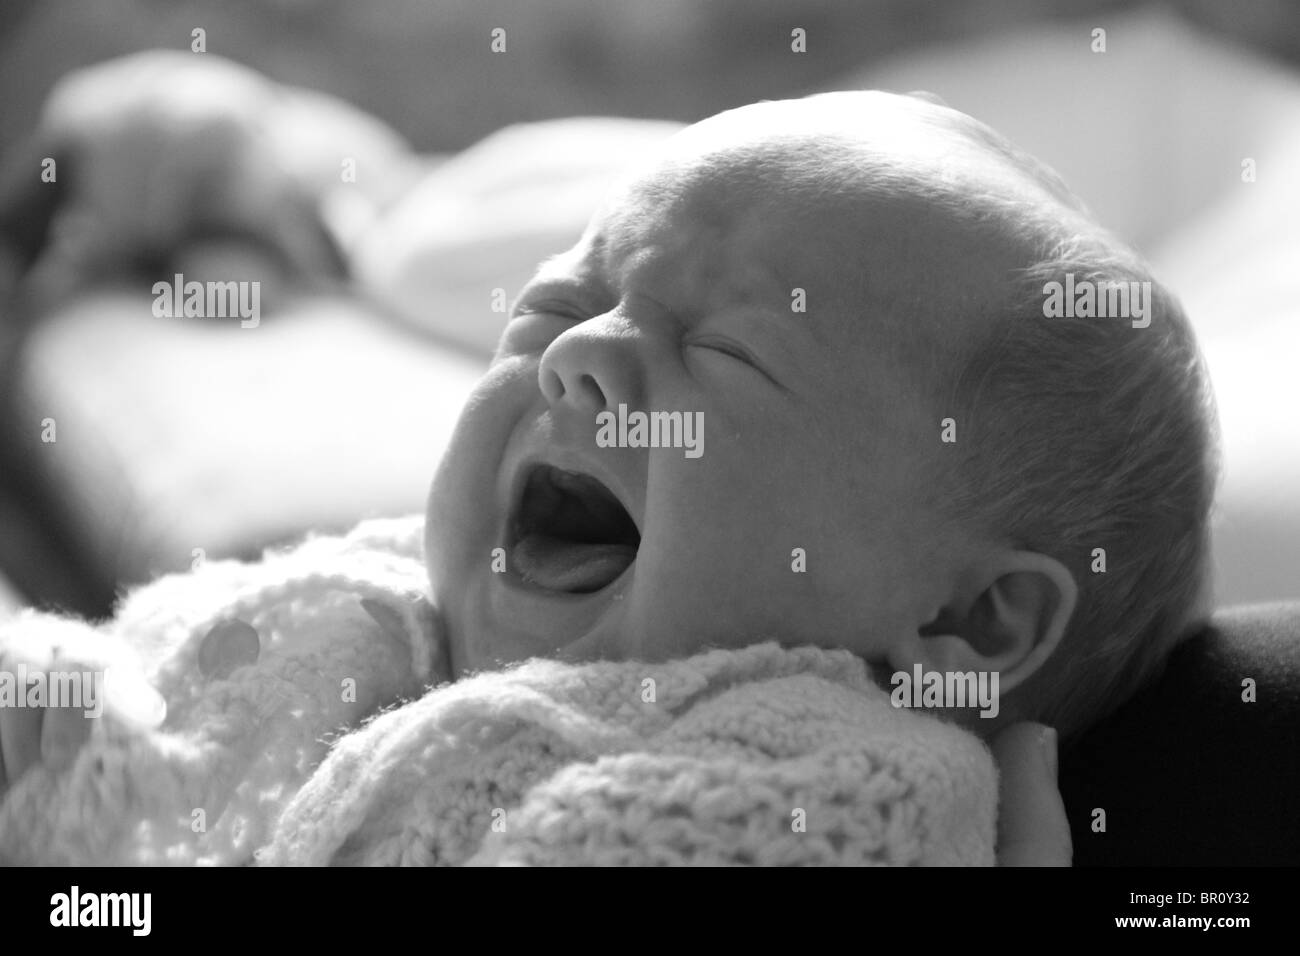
590,368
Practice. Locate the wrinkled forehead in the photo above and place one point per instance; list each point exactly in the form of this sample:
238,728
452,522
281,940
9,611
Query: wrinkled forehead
854,194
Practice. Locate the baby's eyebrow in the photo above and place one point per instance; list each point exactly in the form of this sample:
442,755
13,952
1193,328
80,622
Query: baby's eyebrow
548,263
572,274
772,320
560,285
540,273
798,315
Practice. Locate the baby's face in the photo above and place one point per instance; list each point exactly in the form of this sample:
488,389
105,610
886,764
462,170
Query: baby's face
785,291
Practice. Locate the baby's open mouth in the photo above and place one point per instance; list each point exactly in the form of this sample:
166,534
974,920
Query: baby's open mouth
570,533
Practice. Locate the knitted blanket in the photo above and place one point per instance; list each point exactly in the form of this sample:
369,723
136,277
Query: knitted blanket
309,722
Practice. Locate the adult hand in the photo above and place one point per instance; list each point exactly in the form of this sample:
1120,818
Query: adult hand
156,148
1032,827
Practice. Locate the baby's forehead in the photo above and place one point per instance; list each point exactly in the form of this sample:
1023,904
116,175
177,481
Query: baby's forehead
833,162
860,195
842,146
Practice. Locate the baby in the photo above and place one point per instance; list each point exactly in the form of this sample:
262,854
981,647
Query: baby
801,381
905,457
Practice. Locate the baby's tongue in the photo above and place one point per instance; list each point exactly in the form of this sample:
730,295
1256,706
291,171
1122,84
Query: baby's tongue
564,565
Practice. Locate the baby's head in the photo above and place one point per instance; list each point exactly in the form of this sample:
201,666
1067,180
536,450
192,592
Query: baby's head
883,444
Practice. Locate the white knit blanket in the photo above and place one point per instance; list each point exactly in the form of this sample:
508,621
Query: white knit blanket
334,746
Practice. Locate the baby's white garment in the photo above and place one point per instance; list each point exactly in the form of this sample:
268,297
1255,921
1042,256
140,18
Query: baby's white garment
334,739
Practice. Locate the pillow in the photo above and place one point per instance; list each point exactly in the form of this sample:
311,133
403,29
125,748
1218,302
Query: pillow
472,232
180,438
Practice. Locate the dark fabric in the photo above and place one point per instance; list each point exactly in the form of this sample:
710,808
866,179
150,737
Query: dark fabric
1189,774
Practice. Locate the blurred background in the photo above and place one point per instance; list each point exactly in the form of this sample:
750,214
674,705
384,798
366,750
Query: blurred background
424,67
178,441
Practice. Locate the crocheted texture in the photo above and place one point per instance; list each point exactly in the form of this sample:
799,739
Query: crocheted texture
760,755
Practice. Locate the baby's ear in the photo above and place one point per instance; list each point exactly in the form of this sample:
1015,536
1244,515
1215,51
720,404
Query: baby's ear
1010,619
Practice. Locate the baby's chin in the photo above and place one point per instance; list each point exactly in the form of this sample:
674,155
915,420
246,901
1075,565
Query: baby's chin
492,622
